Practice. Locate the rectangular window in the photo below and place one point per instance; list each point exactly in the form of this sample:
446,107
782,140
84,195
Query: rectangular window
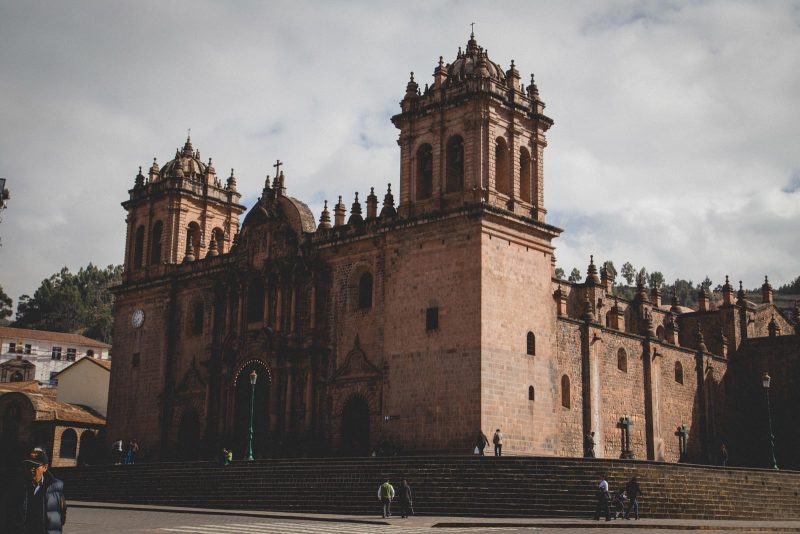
197,319
432,319
53,379
135,360
56,353
12,347
71,353
27,349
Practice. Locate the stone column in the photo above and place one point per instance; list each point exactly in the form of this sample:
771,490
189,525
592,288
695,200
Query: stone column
287,421
591,344
309,399
652,394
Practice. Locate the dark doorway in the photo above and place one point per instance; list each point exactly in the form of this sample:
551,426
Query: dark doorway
87,453
355,427
188,436
261,408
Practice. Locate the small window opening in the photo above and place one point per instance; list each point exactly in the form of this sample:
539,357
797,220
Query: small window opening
531,344
432,319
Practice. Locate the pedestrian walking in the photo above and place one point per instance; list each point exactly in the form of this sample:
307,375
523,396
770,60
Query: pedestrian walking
116,452
497,439
406,503
634,492
34,503
385,495
481,442
603,500
723,455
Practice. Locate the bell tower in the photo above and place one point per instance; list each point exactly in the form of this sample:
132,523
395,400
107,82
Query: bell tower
476,134
179,212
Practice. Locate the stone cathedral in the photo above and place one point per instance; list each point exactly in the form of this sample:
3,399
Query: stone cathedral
423,315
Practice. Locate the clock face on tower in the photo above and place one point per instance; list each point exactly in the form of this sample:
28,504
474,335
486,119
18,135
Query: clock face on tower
137,320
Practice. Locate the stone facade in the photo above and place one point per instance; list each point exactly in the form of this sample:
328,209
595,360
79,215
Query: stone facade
413,325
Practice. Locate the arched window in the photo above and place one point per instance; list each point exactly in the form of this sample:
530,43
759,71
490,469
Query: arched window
622,360
531,344
193,236
69,444
17,377
678,373
525,185
455,164
255,300
531,393
138,247
365,291
502,176
565,394
424,172
90,353
155,243
660,333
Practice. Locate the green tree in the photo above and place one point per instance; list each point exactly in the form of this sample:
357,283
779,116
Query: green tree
78,303
628,273
611,270
575,275
559,273
656,279
791,288
6,307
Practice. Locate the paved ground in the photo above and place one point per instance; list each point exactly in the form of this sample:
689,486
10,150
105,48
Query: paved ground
97,518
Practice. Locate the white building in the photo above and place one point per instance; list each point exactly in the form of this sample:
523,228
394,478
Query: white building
41,355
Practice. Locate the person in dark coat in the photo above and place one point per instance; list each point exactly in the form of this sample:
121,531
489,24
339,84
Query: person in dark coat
482,442
634,492
406,504
34,504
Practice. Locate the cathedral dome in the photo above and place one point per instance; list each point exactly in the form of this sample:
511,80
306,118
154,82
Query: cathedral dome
474,62
186,163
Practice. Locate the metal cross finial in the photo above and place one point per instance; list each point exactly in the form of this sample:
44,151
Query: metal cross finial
472,30
189,132
277,166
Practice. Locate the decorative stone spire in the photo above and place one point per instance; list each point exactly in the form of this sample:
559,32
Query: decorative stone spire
641,292
533,90
740,295
231,184
700,340
512,77
388,209
188,151
212,247
655,295
727,292
372,204
605,278
703,298
440,74
154,171
325,218
355,212
592,278
139,180
674,305
189,256
339,212
766,291
412,87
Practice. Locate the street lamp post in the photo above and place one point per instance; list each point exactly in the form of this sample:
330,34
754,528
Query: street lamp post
253,377
765,380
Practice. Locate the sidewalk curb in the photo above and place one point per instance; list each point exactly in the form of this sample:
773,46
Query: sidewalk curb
648,524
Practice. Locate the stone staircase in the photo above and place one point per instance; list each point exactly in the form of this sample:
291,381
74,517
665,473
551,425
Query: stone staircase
444,485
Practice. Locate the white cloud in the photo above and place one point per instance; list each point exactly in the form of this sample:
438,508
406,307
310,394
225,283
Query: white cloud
676,122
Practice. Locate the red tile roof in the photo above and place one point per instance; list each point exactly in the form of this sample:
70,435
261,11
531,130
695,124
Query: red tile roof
7,332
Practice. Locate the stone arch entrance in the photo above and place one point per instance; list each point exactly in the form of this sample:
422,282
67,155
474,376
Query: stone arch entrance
355,427
261,409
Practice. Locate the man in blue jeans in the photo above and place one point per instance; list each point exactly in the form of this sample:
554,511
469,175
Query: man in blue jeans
386,494
634,491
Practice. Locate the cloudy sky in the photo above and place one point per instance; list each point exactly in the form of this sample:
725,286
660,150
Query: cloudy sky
675,144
